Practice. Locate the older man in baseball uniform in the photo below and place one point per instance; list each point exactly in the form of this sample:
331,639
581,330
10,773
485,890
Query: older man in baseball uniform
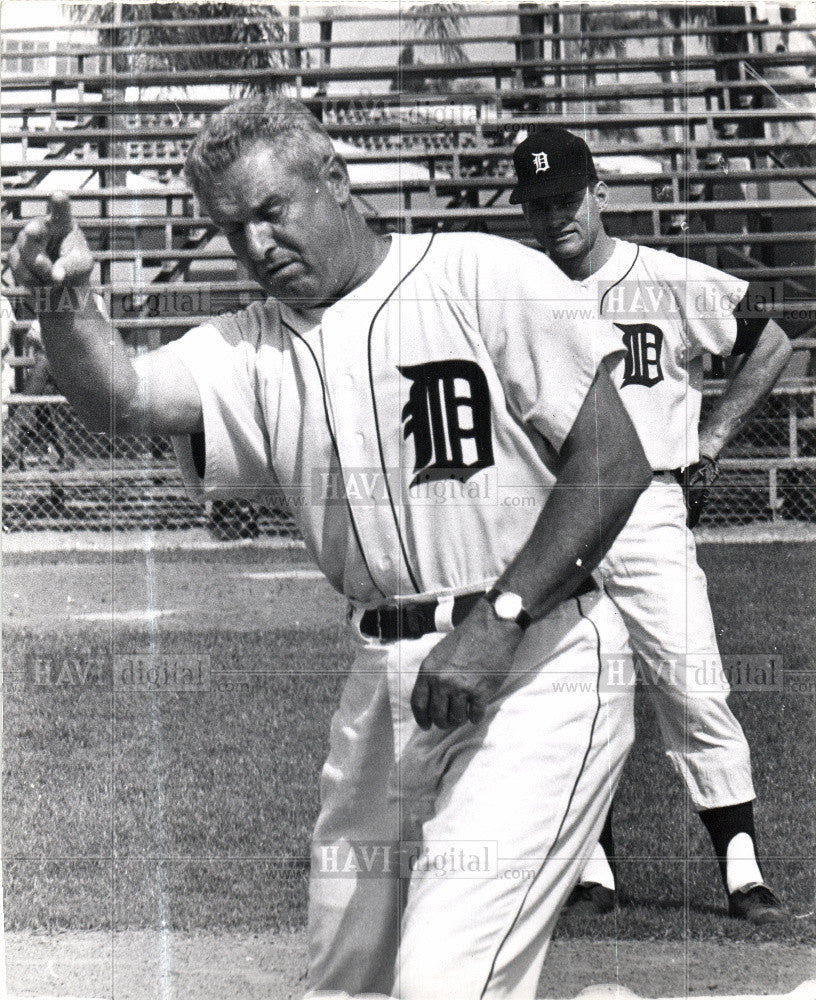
478,741
669,311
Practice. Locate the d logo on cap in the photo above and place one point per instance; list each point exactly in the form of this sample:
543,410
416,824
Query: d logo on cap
541,162
551,162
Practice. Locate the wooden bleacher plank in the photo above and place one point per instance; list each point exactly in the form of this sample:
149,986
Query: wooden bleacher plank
477,11
395,125
438,185
344,101
498,68
690,29
432,213
682,240
698,148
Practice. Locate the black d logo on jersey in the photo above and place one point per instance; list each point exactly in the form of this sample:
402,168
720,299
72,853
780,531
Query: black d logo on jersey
643,343
432,417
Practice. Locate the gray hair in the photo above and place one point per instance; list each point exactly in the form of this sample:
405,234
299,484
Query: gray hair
284,123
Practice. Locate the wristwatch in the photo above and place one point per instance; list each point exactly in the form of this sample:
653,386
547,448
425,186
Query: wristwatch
508,607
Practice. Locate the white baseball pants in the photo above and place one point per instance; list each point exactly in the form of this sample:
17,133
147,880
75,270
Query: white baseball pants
651,574
440,860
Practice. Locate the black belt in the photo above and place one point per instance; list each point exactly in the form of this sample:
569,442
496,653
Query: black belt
412,621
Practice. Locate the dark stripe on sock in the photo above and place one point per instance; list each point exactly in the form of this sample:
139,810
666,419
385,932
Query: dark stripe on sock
723,824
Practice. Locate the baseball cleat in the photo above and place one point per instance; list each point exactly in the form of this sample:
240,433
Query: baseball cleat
756,904
591,898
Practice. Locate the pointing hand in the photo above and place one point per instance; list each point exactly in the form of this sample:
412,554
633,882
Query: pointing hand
51,250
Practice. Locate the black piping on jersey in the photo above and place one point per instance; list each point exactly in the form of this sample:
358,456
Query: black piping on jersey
381,306
330,429
623,277
573,790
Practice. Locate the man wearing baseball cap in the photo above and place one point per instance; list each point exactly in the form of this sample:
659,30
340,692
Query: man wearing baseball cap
557,180
662,305
549,162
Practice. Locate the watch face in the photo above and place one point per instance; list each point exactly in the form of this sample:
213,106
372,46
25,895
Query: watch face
508,606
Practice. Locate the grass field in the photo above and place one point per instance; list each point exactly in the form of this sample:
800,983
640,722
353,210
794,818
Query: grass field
125,809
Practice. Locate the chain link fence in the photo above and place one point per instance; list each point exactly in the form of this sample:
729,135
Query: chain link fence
769,468
58,476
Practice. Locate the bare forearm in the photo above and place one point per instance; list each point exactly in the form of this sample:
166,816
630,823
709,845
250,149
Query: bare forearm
604,471
579,522
88,360
747,390
52,259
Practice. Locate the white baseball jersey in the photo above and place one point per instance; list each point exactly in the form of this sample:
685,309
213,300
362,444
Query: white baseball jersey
407,422
6,321
671,311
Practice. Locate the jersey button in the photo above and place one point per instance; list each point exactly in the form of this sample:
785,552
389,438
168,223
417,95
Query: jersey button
359,438
386,563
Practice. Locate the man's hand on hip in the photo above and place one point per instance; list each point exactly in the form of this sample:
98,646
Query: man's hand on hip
465,670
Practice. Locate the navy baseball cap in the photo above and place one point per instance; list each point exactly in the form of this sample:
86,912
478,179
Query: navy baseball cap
551,161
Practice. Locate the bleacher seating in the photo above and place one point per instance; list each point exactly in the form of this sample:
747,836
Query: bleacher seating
703,129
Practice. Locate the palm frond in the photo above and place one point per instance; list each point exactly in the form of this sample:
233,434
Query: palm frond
441,23
202,43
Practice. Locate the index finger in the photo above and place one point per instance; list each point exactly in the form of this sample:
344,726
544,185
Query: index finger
60,219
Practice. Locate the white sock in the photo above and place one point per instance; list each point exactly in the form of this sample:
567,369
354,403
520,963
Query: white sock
597,870
741,863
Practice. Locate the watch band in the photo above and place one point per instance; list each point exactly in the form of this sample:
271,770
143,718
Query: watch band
522,618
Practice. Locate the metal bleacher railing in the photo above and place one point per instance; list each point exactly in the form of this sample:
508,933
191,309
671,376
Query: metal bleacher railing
702,122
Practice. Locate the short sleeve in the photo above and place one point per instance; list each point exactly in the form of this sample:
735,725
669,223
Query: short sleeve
6,321
236,449
707,299
543,335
